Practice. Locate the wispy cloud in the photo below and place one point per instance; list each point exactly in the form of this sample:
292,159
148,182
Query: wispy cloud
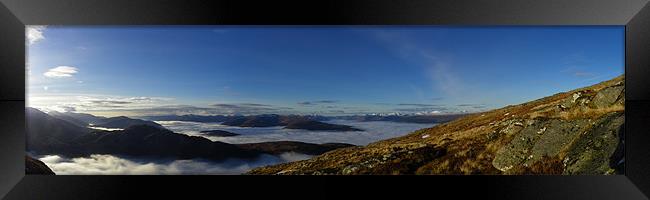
61,72
437,65
108,105
418,105
309,103
110,102
583,74
34,34
578,65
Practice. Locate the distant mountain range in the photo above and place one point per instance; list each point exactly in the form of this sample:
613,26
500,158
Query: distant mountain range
268,119
188,118
289,122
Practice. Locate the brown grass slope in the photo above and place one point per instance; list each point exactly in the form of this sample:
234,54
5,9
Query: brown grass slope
575,132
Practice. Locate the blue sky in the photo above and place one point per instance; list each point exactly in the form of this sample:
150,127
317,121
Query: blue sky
155,70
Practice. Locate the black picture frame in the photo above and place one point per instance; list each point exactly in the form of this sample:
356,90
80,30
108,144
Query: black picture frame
633,14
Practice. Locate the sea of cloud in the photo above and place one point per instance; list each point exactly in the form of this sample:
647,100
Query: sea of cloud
373,131
119,165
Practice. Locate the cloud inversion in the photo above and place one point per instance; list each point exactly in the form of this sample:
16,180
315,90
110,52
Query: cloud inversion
113,165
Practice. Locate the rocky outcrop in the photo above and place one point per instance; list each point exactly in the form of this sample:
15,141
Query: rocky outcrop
575,132
584,144
34,166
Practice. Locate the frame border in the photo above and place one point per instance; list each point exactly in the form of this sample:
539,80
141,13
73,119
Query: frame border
634,14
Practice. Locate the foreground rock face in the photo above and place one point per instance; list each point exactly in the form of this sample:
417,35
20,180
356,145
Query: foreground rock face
34,166
575,132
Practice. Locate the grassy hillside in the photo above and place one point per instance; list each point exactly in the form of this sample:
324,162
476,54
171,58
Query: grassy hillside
575,132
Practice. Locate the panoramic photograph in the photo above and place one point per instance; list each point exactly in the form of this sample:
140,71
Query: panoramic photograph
325,100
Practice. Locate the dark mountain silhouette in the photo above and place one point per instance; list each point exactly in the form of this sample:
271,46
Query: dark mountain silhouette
255,121
145,140
81,119
219,133
46,134
125,122
34,166
84,120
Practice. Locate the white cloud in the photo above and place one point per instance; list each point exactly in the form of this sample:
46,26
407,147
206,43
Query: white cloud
437,64
113,165
60,72
34,34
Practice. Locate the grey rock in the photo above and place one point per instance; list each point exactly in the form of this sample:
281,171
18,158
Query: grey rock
591,154
606,97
